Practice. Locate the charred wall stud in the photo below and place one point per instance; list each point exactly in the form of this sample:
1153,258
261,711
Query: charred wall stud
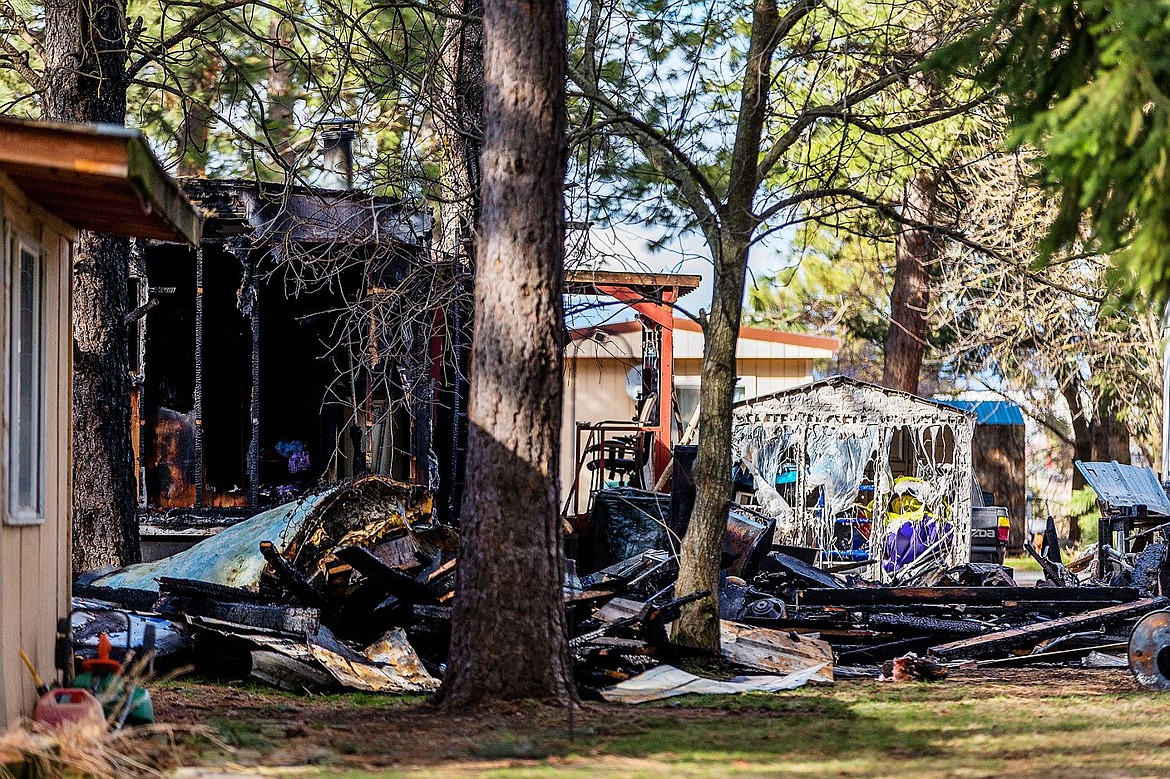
199,378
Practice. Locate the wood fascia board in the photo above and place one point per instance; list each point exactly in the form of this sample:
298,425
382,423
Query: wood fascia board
105,152
158,190
60,147
14,196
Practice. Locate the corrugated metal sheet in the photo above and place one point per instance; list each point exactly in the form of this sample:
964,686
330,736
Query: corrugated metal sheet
1125,486
230,558
990,412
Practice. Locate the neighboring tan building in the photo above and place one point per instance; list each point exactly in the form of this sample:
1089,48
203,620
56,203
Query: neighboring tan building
601,362
54,180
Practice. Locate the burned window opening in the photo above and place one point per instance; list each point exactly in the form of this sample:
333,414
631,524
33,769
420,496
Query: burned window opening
325,331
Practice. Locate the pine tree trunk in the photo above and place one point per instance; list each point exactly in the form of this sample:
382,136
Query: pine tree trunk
195,129
508,629
913,253
1111,438
702,545
85,69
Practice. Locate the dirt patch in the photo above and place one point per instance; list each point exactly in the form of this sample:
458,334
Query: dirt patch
370,732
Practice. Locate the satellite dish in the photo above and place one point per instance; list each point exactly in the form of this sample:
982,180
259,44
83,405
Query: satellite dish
634,382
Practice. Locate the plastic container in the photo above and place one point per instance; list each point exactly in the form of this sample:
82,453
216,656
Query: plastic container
68,704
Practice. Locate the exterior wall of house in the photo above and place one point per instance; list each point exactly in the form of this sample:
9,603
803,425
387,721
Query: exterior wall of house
35,556
595,387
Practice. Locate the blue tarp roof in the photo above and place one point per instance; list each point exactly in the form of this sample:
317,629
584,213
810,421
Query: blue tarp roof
990,412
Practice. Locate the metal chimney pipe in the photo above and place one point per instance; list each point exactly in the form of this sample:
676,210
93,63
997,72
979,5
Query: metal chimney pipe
337,153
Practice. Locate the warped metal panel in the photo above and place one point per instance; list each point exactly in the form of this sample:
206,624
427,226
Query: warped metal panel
1125,486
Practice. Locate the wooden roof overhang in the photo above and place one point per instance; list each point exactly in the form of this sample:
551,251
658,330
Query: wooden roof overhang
648,286
97,177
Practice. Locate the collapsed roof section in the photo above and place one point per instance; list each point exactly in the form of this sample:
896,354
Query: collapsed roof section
863,473
269,213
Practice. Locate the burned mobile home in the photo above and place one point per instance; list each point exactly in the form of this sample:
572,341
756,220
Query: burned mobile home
861,473
303,342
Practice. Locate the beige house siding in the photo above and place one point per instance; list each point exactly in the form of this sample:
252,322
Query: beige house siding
595,388
34,559
595,391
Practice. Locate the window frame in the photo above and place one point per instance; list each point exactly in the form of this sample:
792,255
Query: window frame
19,245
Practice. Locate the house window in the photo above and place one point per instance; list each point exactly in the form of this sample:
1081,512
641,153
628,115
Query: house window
25,391
686,392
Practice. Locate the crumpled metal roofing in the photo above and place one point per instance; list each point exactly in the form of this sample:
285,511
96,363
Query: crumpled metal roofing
230,558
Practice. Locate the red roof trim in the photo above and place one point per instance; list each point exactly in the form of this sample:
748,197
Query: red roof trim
689,325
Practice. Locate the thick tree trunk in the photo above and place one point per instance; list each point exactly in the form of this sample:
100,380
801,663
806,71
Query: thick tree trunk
85,68
701,547
508,629
913,253
195,129
1111,438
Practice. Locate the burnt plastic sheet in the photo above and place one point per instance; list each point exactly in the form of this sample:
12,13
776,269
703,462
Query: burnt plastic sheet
630,522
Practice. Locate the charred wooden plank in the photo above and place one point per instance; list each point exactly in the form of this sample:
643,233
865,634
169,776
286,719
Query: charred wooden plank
290,577
1058,656
918,625
396,582
892,596
1032,634
292,620
195,588
775,651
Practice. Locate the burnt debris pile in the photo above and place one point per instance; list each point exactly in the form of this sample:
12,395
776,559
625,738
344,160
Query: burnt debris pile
352,588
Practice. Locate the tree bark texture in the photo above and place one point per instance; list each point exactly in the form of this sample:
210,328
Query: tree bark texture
913,254
508,628
698,625
1111,438
85,70
195,129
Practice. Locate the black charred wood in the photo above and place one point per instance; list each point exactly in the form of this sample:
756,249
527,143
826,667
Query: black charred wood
398,584
1030,635
194,588
903,624
1087,597
797,571
290,577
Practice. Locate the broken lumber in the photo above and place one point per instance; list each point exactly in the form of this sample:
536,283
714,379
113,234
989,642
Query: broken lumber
901,624
1031,634
1058,656
775,651
1085,597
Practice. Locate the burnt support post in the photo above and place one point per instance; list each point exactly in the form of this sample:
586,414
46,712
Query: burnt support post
199,377
254,406
248,301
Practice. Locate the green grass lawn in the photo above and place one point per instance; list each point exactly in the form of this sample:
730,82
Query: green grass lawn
1022,723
